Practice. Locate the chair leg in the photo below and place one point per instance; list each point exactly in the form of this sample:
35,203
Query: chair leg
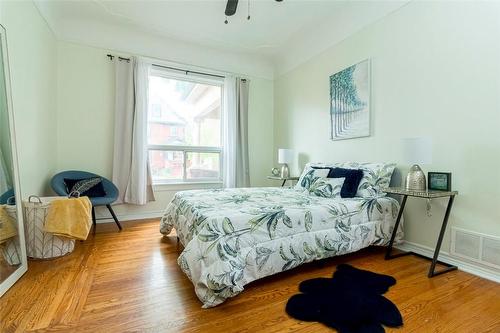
94,223
114,217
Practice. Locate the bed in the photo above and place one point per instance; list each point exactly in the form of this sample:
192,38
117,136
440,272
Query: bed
232,237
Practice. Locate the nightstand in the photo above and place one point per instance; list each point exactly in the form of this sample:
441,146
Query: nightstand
429,194
283,179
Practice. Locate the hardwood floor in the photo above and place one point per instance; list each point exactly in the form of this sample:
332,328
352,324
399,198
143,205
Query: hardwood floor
129,281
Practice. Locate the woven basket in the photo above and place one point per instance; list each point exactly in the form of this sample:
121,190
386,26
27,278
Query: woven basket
11,249
40,244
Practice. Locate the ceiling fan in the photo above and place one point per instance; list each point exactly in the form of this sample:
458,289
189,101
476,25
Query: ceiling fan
232,5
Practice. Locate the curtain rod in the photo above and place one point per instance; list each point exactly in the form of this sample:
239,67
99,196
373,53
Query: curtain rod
110,56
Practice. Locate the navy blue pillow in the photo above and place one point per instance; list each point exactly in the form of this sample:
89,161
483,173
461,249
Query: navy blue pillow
351,182
87,187
318,167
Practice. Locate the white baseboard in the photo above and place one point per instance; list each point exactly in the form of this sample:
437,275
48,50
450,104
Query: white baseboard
469,267
106,218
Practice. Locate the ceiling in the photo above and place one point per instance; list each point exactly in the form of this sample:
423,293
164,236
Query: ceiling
273,30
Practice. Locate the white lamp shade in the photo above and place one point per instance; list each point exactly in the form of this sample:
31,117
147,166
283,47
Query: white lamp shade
417,150
285,156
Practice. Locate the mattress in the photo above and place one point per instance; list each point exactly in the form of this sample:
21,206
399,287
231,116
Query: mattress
232,237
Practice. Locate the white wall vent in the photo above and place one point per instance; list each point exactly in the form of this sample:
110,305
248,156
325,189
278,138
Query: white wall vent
481,248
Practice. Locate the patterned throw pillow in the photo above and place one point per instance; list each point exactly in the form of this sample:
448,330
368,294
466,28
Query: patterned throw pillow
376,176
87,187
309,175
326,187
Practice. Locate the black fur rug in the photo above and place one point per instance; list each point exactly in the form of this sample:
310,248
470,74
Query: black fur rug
350,302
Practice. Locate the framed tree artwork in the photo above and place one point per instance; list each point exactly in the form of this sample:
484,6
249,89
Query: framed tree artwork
350,102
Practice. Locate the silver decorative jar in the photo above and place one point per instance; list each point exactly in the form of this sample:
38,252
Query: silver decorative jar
415,180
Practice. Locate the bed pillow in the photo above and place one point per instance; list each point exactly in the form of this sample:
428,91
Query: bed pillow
87,187
309,175
351,182
326,187
376,176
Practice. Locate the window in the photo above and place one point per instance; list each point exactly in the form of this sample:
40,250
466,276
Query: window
184,128
155,111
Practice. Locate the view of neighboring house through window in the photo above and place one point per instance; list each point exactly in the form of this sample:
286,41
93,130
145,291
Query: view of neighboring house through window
184,128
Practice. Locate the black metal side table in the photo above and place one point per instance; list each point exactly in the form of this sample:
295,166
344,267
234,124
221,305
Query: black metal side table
283,179
429,194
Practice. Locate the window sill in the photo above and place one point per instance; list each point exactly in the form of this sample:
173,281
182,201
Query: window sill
169,187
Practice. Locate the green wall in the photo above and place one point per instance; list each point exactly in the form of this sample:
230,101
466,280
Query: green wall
32,56
5,146
435,73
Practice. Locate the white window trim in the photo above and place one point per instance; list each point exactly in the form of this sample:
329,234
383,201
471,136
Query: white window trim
185,150
174,187
165,73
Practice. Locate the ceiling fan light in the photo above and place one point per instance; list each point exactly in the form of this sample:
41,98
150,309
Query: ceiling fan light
231,7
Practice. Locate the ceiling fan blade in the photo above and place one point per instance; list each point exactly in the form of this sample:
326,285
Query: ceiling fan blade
231,7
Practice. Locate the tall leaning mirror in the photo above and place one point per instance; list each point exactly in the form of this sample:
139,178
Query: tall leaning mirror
13,263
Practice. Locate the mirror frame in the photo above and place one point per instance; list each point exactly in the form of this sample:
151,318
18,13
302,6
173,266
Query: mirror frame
8,282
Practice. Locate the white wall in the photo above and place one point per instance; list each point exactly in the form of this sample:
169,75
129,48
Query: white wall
85,117
435,73
32,56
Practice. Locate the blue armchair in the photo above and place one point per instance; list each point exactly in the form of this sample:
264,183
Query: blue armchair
8,198
59,187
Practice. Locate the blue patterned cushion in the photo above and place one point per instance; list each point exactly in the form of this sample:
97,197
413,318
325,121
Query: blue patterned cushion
326,187
309,175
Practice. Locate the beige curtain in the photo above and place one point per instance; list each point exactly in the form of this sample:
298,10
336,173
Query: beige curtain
242,169
131,173
235,167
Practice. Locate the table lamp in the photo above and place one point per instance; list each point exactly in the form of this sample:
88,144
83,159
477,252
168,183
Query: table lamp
285,156
417,151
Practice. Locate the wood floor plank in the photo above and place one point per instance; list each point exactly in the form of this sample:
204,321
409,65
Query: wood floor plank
129,281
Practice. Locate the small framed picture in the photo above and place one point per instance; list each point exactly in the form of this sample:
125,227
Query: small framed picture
439,181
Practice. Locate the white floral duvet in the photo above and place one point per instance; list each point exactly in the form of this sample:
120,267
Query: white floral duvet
232,237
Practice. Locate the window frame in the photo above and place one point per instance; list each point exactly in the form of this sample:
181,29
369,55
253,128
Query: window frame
185,149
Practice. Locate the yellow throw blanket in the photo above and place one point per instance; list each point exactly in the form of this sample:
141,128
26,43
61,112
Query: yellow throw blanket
7,225
70,217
